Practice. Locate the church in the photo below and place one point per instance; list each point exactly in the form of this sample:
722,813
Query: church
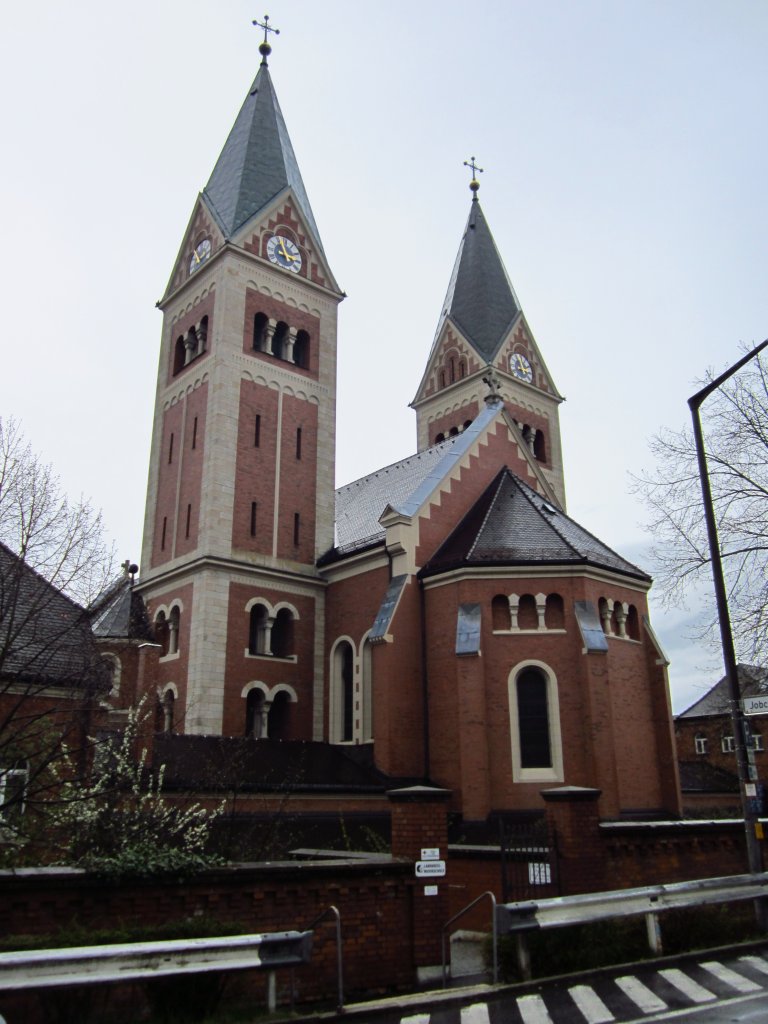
444,614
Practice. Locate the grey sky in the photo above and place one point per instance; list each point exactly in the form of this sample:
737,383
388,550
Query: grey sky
624,147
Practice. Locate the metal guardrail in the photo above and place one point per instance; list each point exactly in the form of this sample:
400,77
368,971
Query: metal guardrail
520,918
83,965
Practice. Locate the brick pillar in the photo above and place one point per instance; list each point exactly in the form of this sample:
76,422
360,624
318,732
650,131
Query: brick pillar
420,823
573,820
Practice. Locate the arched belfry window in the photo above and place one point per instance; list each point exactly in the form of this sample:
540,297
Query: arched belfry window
301,350
534,713
259,326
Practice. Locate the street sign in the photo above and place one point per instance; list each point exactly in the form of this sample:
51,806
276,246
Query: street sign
430,868
430,853
755,705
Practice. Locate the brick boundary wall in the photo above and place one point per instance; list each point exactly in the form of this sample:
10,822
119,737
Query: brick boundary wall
373,896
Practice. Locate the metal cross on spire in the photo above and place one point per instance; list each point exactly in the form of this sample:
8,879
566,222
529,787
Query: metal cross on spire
264,48
474,185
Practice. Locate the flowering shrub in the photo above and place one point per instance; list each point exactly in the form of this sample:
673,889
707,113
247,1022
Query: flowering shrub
120,824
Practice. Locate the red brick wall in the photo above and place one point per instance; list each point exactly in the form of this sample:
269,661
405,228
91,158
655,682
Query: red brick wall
191,470
298,481
456,418
168,471
255,468
374,901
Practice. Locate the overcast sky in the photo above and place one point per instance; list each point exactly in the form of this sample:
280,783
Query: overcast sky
625,148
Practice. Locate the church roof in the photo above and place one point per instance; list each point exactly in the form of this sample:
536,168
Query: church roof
257,163
511,524
403,486
120,613
480,299
753,680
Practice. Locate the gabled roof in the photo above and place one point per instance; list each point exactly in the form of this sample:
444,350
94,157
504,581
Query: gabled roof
753,680
45,637
403,487
511,524
480,300
256,164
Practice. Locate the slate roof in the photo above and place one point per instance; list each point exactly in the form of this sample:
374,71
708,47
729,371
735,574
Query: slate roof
511,524
404,486
753,680
221,762
44,636
480,300
119,613
256,164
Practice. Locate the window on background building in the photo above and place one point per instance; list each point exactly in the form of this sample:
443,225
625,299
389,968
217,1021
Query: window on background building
727,744
14,777
700,743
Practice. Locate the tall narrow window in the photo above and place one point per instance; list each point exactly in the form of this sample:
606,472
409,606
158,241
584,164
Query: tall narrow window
162,538
257,432
189,520
170,450
254,506
343,711
298,442
194,433
296,526
533,720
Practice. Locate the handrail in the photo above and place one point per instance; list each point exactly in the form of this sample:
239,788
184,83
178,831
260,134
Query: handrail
461,913
339,967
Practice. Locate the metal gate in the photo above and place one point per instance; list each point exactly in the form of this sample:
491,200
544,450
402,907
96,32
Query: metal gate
529,860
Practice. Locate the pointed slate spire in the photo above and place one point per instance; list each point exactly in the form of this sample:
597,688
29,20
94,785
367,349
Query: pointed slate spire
257,163
480,300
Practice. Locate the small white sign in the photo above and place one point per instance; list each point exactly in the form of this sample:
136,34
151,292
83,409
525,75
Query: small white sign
750,789
430,868
756,705
430,890
430,853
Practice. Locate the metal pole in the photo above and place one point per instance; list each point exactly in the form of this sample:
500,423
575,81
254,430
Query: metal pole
754,853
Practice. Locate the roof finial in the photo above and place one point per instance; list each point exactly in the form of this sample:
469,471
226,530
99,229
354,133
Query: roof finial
474,185
264,48
493,384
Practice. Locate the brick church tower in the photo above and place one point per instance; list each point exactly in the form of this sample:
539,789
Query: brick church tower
240,495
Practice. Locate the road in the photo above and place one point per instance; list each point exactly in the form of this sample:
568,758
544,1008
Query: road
731,989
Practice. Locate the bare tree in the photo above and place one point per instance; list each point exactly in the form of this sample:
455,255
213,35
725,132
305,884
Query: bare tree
735,424
53,561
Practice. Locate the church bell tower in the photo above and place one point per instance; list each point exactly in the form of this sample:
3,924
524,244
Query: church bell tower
240,498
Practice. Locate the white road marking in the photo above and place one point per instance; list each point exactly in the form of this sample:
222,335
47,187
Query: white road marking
687,985
755,961
725,974
591,1005
417,1018
533,1010
477,1013
641,995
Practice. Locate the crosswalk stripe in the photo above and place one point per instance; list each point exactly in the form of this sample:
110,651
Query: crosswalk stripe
533,1010
477,1013
416,1018
591,1005
755,961
725,974
687,985
641,995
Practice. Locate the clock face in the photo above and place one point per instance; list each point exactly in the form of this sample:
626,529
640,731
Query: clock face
200,254
520,367
284,253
